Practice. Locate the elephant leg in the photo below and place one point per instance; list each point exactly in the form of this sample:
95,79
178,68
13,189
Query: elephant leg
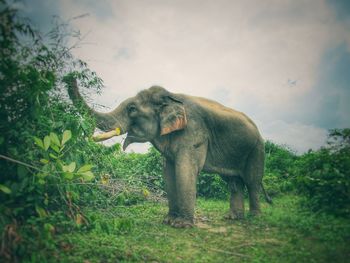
187,166
236,188
170,187
253,174
254,204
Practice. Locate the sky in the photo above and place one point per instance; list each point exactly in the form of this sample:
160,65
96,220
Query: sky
285,63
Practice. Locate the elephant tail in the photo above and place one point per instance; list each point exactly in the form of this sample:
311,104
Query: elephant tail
267,197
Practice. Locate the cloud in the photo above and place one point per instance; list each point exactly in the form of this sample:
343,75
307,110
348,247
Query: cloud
327,103
341,7
334,84
40,13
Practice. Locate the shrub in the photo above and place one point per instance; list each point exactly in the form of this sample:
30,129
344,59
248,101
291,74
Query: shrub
279,167
323,177
212,186
141,169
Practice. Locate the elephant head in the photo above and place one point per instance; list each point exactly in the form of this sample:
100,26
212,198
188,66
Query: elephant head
151,113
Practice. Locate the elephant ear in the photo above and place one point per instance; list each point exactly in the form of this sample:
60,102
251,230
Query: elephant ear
172,116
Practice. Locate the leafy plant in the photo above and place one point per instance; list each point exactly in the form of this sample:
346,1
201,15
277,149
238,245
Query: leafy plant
53,160
35,180
212,186
279,168
323,177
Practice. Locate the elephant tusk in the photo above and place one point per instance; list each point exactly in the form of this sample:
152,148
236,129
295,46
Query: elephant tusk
106,135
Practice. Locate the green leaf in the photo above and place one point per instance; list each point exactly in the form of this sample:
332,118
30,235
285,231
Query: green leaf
48,227
39,142
41,175
84,126
53,156
87,176
46,200
62,148
2,140
5,189
47,142
85,168
68,176
41,211
41,181
67,135
71,167
44,161
54,138
55,148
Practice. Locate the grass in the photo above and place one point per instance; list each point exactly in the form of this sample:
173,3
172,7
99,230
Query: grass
283,233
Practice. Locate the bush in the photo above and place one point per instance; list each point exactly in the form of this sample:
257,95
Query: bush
279,167
323,177
144,170
212,186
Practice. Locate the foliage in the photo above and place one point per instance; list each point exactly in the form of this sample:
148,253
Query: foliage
53,152
145,168
279,163
323,177
33,106
212,186
339,140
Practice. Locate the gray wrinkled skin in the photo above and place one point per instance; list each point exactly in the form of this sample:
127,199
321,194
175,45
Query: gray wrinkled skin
193,134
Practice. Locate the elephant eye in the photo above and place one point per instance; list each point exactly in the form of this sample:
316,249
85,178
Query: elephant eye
132,109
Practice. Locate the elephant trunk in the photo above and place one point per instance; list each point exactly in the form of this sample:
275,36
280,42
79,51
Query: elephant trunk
104,121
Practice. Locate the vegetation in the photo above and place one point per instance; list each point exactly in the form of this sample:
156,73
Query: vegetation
323,176
64,198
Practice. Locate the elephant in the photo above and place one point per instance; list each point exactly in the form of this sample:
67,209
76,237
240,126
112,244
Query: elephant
193,134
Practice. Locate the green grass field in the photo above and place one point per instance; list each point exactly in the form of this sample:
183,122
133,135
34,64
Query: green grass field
135,234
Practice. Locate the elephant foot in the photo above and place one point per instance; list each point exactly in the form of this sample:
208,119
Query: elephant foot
234,216
182,223
168,219
178,222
